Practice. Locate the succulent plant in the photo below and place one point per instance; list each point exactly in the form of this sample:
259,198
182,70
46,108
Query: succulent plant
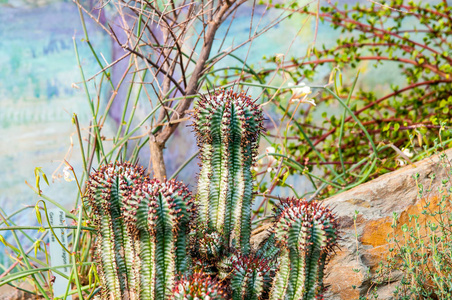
228,126
210,245
154,242
250,277
199,286
307,233
106,189
143,227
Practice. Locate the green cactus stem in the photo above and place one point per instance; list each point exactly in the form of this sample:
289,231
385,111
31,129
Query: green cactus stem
157,215
228,126
210,246
199,286
106,190
143,227
307,232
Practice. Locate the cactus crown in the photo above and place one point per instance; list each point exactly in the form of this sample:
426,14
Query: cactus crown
199,286
302,224
227,126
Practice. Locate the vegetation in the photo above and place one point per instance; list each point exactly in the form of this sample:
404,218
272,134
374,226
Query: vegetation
228,127
135,237
309,233
143,225
407,42
142,231
420,249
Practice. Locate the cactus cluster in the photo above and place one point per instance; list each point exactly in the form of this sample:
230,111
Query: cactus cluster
199,286
156,242
142,226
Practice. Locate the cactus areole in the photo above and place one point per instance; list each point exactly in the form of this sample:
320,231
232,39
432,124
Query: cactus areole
228,126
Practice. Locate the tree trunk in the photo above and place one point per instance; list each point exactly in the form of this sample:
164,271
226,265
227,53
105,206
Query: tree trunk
158,163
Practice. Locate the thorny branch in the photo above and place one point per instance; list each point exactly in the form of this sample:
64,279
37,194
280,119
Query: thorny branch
173,40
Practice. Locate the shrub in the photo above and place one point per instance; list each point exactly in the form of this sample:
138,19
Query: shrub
420,250
406,39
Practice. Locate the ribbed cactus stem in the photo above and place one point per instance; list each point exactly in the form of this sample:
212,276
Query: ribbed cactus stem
307,231
159,214
228,126
281,280
106,190
146,250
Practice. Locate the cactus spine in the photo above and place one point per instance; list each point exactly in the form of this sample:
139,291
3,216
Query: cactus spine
307,232
228,126
142,228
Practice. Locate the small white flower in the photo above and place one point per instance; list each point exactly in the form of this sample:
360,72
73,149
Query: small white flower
74,86
270,150
300,91
300,94
407,152
279,57
305,100
269,169
67,175
401,162
271,158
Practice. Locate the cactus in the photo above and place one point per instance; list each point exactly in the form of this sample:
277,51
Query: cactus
228,126
307,232
143,227
199,286
210,246
148,247
106,189
250,277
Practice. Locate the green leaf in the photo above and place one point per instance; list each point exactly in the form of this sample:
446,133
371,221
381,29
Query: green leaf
36,247
2,239
286,175
45,178
38,214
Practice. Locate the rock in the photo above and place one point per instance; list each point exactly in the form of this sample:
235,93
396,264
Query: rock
351,270
365,216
